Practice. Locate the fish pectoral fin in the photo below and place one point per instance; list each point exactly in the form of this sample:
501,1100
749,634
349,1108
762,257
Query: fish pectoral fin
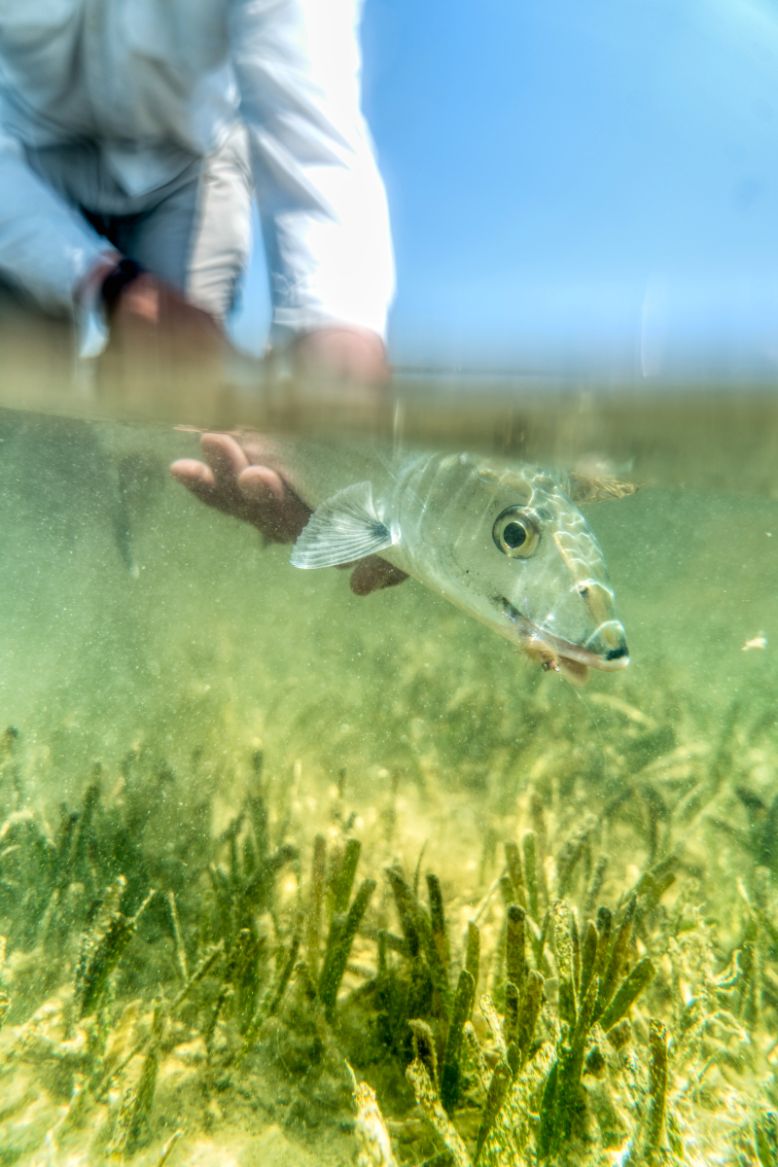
343,529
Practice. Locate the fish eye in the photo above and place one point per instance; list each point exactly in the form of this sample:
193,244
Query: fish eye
516,533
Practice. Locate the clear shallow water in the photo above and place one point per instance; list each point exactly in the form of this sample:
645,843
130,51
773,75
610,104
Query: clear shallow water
694,571
395,721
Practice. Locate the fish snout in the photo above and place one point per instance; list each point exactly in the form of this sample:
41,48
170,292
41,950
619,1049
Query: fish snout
609,644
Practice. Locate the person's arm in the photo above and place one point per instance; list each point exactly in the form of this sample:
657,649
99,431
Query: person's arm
320,195
50,253
46,248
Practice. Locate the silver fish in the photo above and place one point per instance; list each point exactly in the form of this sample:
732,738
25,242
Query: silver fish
505,543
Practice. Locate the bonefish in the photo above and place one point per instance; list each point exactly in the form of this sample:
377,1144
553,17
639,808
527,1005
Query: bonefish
505,542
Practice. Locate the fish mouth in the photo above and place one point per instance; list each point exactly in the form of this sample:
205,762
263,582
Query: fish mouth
564,656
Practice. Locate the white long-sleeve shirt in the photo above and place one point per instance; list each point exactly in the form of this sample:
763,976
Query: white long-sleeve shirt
157,82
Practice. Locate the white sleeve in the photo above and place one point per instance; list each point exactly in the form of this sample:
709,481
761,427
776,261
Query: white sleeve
321,198
45,247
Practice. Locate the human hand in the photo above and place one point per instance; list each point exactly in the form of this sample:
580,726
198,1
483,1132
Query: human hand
343,354
239,479
155,330
339,378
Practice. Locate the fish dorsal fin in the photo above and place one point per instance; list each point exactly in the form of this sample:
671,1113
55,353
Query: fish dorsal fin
344,528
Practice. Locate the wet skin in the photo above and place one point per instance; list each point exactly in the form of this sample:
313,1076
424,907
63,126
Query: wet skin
233,479
235,476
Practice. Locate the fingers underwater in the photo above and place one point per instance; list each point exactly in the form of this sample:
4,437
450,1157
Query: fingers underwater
374,574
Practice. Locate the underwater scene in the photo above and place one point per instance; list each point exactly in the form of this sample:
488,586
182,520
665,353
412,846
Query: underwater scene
290,875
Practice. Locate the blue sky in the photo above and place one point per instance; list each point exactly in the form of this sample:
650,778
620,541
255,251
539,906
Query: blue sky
577,181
